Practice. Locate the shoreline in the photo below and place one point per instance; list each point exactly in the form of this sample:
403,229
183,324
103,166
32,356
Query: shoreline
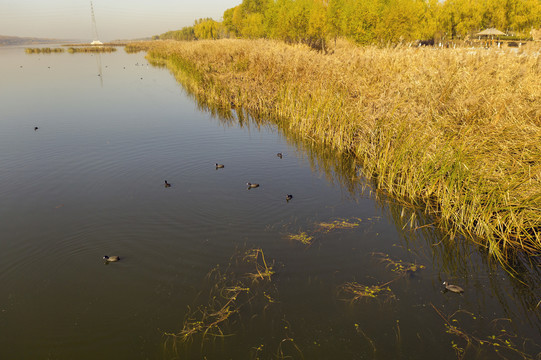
452,131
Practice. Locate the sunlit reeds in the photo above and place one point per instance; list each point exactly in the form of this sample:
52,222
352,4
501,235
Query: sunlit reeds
114,43
43,50
91,49
454,131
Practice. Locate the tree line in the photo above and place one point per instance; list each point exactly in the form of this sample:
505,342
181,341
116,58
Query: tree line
365,21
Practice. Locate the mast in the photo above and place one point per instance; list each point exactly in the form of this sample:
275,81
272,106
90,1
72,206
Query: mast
94,27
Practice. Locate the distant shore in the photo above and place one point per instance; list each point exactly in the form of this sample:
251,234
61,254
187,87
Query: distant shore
15,40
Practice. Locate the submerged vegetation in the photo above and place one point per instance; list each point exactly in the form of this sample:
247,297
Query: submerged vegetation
301,237
358,292
338,224
399,266
241,295
454,132
323,227
498,340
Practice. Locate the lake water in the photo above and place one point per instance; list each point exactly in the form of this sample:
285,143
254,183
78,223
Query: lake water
89,182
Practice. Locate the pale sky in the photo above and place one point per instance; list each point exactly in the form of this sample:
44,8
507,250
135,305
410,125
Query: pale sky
115,19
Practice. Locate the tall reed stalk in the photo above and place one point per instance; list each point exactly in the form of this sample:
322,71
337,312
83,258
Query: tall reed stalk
455,131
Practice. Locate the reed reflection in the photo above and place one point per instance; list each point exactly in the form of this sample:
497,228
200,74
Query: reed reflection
516,287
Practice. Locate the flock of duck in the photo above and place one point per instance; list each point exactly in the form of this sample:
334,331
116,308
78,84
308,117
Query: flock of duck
108,259
248,184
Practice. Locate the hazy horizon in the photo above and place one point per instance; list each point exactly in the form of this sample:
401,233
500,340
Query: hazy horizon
116,19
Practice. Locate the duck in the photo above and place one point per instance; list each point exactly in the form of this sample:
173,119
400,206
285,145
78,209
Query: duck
250,185
111,258
219,166
167,184
289,197
280,155
453,288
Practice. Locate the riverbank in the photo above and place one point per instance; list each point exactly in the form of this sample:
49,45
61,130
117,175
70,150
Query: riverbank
455,131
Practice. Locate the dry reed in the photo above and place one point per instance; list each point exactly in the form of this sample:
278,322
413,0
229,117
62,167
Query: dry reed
455,131
43,50
91,49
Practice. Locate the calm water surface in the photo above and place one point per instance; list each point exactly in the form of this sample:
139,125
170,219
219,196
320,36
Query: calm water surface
89,183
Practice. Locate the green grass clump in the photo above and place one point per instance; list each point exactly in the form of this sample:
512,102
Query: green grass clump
452,131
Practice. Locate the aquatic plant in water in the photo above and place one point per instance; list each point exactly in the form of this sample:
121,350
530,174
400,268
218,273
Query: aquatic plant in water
401,267
301,237
306,238
243,290
339,224
357,292
499,341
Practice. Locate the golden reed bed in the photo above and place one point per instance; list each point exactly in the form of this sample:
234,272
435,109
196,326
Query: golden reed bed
456,131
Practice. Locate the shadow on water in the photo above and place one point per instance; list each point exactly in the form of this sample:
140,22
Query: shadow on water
396,307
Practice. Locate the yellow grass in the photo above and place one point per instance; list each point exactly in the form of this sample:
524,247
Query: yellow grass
455,131
43,50
91,49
